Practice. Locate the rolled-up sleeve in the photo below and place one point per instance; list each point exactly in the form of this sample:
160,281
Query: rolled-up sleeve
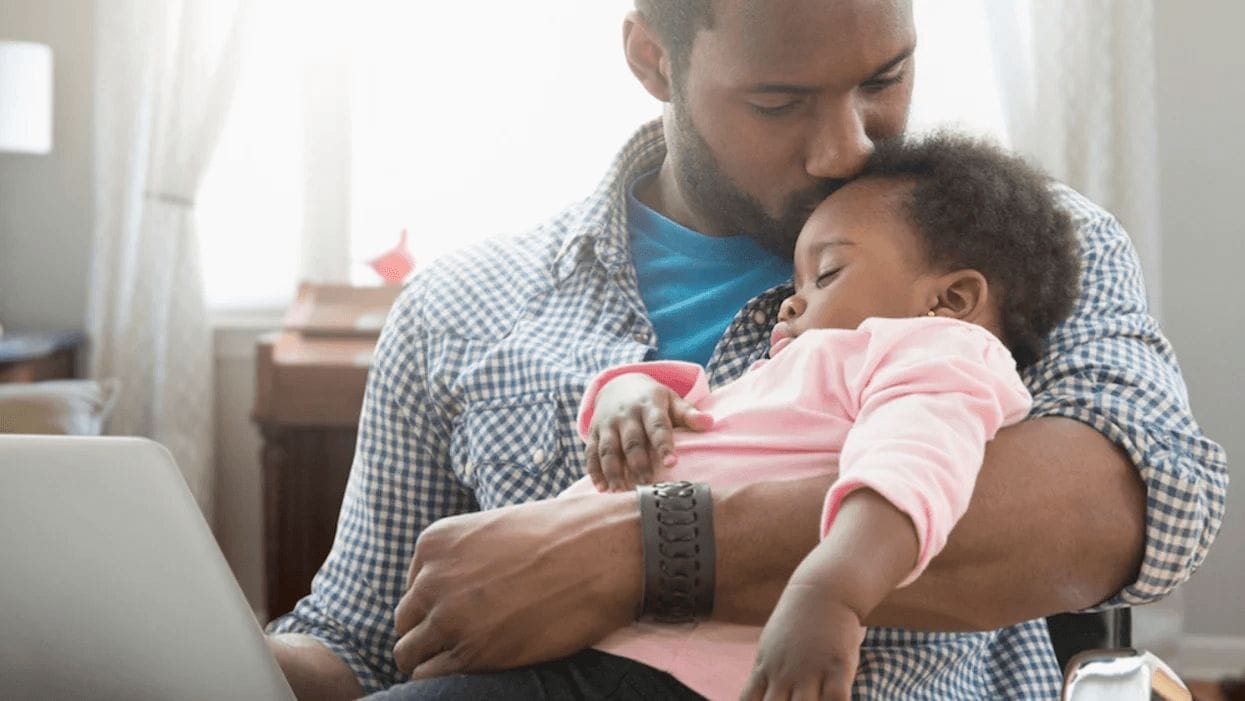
1110,367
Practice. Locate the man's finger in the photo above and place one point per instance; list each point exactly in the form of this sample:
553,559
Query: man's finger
419,645
442,664
408,613
416,565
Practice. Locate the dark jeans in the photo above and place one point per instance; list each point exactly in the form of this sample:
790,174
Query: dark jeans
589,674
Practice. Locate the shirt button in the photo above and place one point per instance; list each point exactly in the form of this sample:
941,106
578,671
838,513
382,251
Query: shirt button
641,336
538,457
760,318
469,468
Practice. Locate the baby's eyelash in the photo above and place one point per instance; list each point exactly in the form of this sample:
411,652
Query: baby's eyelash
827,276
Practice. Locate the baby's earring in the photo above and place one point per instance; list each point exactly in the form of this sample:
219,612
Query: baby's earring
931,313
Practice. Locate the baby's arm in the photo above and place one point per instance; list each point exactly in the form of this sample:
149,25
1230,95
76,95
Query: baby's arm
628,415
810,647
925,398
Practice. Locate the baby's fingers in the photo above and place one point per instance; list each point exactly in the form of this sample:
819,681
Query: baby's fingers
835,686
613,462
592,462
684,415
638,451
660,436
755,689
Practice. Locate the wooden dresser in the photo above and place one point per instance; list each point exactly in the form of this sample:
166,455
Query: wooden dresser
309,390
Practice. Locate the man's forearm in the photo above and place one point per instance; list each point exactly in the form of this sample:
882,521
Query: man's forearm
1056,523
313,671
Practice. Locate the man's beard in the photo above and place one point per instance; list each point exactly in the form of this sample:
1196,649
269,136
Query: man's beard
718,200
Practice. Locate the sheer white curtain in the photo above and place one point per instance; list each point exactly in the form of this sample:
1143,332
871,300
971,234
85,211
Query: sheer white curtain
165,77
1078,84
1077,80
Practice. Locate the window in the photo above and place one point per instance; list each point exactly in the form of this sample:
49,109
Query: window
466,120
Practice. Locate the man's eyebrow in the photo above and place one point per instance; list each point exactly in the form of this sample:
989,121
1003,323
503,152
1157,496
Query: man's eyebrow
796,89
783,88
898,59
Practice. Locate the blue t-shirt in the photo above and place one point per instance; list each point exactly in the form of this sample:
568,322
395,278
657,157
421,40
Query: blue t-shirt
693,284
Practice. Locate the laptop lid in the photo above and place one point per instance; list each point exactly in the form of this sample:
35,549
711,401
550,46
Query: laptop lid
111,584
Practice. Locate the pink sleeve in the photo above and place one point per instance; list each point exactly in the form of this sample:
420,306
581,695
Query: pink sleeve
688,380
928,395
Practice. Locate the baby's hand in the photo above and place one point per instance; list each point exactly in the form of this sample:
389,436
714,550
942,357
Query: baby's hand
632,427
809,649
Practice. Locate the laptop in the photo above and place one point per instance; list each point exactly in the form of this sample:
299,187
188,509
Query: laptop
111,584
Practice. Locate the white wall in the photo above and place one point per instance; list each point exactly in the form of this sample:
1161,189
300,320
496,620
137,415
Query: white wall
1201,102
46,202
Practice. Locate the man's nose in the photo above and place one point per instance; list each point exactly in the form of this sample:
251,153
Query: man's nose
839,146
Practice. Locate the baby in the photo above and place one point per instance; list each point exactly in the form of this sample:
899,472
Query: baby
920,288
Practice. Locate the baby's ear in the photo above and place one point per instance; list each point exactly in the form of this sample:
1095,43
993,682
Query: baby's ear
964,295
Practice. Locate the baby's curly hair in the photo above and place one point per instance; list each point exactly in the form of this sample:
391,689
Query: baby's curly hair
977,206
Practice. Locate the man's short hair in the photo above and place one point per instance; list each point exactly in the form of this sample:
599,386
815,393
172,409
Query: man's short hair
977,206
677,23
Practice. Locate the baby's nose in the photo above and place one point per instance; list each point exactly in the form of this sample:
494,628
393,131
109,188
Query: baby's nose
787,311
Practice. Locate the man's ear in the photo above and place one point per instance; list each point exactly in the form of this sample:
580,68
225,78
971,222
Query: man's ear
646,56
964,295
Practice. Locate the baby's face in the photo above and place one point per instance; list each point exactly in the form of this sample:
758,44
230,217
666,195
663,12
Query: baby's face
857,257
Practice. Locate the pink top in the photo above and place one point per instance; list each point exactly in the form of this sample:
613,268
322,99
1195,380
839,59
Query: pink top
901,406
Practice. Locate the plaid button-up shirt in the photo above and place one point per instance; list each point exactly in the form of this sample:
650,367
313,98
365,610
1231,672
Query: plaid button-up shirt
471,405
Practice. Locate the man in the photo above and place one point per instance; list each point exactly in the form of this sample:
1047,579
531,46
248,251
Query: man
1109,493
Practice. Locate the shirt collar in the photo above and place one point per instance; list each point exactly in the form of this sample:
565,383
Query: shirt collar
602,227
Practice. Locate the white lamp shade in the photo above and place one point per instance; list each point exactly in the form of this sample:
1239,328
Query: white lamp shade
25,97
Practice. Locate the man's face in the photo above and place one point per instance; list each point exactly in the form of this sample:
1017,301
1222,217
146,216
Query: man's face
857,256
780,103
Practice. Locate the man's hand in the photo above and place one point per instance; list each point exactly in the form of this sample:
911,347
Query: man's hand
632,429
519,585
809,649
